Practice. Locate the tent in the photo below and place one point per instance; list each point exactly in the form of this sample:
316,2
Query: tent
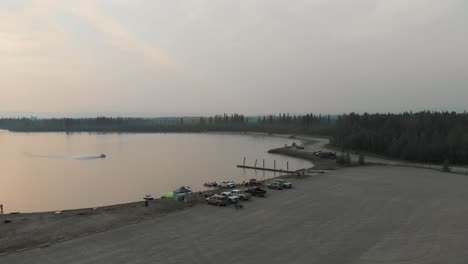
183,189
167,195
180,193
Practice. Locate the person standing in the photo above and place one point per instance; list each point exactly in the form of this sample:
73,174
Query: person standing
1,209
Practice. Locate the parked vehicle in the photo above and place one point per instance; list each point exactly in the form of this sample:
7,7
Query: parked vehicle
256,191
227,184
232,198
218,200
253,182
325,155
275,186
284,183
242,195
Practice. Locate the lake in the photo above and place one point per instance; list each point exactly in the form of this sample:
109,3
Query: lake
55,171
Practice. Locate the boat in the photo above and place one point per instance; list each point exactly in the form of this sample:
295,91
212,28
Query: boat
102,156
210,184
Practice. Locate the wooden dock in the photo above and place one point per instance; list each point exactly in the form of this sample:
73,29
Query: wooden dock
265,169
274,169
277,170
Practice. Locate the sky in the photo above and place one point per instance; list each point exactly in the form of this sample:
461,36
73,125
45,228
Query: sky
159,57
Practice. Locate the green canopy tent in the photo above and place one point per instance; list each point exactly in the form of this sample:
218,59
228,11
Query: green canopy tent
168,195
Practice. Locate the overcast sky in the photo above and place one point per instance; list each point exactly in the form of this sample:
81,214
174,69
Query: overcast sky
205,57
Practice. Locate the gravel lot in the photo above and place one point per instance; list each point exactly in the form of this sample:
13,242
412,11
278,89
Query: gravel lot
356,215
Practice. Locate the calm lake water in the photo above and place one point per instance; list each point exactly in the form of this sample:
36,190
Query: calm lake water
52,171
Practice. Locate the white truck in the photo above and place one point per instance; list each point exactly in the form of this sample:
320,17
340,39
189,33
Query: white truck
218,200
242,195
231,197
227,184
284,184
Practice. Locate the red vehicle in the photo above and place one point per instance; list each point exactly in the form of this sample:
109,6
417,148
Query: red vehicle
253,182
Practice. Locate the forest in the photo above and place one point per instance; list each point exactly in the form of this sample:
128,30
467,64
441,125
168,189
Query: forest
424,136
281,123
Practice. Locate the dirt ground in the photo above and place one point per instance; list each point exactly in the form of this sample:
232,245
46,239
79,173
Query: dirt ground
371,214
33,229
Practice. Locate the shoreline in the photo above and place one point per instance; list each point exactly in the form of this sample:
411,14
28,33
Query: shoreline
131,203
311,144
42,229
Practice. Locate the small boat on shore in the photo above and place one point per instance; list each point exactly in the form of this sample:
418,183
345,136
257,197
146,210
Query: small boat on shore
210,184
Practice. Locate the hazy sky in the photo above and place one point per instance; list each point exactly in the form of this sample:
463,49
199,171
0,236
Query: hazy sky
204,57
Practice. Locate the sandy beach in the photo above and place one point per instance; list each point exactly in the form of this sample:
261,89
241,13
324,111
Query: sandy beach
33,229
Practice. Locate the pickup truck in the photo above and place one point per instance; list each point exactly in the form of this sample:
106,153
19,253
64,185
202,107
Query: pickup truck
256,191
231,197
227,184
218,200
284,183
275,185
242,195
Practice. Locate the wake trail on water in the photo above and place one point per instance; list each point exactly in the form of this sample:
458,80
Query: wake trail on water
76,157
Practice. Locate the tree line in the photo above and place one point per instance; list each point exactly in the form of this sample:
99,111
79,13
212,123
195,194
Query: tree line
424,136
281,123
432,137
